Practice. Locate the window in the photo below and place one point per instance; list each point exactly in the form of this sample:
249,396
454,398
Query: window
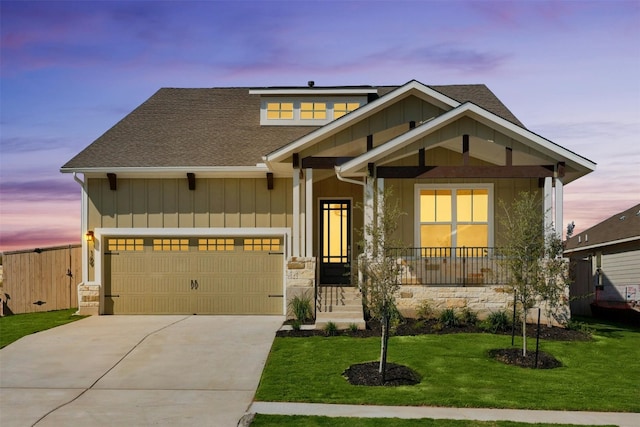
261,244
216,245
313,110
125,244
342,108
454,217
280,110
170,244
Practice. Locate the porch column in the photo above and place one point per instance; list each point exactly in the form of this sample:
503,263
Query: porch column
559,210
379,203
308,194
296,214
547,203
368,208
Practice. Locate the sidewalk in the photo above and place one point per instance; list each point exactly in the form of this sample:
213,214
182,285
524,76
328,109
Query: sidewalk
481,414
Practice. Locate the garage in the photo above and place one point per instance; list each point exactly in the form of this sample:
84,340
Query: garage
193,275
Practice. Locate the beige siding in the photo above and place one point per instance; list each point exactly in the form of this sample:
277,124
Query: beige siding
165,203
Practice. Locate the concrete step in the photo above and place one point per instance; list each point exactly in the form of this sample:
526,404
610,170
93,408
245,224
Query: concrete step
341,305
343,323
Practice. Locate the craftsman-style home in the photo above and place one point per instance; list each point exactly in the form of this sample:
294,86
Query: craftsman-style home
233,200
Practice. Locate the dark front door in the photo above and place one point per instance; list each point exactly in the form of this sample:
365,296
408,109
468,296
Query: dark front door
335,242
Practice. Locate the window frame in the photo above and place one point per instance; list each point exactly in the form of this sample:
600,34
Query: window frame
297,120
454,188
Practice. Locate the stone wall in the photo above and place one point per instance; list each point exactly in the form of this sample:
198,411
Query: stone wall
301,280
88,299
482,300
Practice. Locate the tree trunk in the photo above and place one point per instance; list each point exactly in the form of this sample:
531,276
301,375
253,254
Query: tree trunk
524,331
383,347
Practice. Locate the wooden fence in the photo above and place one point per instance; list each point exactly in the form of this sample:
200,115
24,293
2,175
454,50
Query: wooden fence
41,279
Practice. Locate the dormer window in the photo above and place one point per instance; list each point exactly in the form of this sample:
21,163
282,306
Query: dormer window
280,110
309,106
342,108
313,110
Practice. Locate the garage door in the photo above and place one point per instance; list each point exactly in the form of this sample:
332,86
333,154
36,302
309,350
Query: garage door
194,275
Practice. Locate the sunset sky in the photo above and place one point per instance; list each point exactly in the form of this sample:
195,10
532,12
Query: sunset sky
569,70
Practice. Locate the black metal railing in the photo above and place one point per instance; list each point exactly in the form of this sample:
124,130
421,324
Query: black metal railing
443,266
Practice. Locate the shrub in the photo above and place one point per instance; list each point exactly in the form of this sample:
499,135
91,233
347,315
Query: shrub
300,307
468,317
353,327
448,317
574,325
497,321
330,329
296,325
425,310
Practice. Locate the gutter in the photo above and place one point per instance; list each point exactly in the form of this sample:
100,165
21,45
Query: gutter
348,180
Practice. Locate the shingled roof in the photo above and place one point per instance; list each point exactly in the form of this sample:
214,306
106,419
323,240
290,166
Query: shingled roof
216,127
623,226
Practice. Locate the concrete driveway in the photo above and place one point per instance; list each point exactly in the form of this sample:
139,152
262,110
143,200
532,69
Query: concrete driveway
136,371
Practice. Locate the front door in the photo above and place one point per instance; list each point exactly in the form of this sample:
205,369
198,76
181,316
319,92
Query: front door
335,241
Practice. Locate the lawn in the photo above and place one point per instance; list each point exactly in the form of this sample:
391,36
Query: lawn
599,375
17,326
262,420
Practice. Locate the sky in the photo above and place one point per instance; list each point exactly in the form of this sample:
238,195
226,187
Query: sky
569,70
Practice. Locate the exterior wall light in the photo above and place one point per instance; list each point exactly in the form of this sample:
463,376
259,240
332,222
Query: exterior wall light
89,236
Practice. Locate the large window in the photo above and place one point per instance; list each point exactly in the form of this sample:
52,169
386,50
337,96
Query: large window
454,216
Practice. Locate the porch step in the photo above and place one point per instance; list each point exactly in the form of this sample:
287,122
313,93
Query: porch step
341,305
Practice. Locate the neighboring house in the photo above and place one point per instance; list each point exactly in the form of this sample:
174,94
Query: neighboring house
606,262
233,200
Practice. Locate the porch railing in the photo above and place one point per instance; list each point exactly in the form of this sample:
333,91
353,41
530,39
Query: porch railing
438,266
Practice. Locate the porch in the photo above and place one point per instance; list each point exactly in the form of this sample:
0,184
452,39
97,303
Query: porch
450,266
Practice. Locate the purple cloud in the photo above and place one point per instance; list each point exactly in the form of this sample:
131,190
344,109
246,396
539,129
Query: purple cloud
59,189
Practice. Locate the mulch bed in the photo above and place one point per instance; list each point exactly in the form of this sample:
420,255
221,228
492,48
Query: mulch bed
367,374
419,327
513,356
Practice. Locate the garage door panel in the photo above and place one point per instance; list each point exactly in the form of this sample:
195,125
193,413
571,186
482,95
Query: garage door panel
213,281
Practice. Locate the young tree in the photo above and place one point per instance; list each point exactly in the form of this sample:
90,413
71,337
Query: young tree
532,255
381,269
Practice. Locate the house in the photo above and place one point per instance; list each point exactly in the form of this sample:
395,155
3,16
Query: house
605,260
234,200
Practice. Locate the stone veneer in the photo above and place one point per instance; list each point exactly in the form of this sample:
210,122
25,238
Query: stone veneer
301,280
88,299
482,300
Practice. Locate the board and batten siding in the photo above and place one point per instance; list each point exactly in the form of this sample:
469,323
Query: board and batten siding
620,269
168,203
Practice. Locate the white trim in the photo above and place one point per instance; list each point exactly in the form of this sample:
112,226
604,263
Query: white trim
313,91
458,186
178,171
559,200
547,203
413,87
511,130
308,194
296,120
296,212
600,245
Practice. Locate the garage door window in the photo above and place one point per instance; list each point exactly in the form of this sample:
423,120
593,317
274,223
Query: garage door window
216,245
261,244
125,244
170,244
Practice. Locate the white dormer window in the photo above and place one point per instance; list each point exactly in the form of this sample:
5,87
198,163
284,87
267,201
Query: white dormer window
342,108
279,110
313,111
311,106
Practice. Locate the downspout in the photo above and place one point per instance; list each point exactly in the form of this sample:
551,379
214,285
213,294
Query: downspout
83,228
349,180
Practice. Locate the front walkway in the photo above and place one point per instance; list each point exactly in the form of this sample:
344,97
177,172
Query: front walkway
481,414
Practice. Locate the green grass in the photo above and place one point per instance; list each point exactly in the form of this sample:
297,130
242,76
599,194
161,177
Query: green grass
600,375
16,326
262,420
